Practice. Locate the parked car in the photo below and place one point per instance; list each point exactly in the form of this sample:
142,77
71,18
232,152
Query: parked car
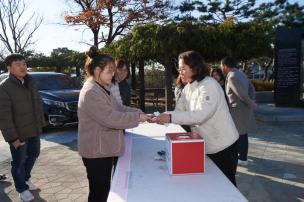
59,94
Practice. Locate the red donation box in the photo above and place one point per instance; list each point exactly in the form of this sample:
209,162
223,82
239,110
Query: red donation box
185,153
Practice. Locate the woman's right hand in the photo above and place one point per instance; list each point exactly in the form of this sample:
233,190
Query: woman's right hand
16,143
144,117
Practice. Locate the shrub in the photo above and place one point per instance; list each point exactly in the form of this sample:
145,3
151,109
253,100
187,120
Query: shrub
262,85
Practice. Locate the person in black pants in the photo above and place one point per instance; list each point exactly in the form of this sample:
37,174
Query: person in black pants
241,102
99,172
101,121
203,107
226,160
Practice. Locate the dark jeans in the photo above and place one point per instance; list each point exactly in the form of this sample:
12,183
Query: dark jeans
23,160
99,172
226,161
243,147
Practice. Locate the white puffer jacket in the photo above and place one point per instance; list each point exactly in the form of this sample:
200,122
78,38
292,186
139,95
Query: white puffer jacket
203,106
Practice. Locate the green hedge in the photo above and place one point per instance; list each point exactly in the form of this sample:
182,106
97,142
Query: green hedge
262,85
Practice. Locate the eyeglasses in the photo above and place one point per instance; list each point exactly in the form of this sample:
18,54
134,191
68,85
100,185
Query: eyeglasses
181,69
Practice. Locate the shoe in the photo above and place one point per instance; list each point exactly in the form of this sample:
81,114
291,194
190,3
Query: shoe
32,187
26,196
161,153
242,163
3,177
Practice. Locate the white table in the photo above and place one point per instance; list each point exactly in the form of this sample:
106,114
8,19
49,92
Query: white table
141,178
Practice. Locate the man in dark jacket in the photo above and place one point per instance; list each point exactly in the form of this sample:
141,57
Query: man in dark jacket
21,122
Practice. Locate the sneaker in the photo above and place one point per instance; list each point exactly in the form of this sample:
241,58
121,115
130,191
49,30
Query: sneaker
161,153
32,187
26,196
3,177
242,163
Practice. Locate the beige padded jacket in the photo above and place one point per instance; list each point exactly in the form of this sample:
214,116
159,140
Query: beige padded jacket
101,122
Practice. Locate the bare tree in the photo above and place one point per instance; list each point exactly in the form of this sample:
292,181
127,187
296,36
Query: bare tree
115,17
16,33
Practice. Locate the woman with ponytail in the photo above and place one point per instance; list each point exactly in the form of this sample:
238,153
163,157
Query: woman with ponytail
101,123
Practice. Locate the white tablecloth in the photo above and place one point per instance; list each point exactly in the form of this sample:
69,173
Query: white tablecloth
141,178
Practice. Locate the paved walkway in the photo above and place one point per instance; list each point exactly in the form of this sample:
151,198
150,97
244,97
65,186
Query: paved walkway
269,113
275,171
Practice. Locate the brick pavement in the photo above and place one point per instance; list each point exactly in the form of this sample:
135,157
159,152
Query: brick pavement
275,171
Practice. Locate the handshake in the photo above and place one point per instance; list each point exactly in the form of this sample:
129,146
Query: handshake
156,117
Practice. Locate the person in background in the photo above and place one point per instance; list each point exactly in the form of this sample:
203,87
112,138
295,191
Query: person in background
101,123
21,122
218,75
121,76
202,106
114,88
240,93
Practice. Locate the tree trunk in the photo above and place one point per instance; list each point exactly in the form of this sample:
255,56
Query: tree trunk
95,33
244,66
77,71
58,69
266,69
265,73
168,87
133,76
141,75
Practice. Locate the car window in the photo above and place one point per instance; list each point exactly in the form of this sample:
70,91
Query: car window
3,76
54,82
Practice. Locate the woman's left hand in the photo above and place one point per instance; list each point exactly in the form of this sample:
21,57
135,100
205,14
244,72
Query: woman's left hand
163,118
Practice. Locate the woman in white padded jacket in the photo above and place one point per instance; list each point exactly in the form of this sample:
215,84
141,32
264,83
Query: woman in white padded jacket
203,107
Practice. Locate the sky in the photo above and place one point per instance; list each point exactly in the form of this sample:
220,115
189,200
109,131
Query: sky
53,33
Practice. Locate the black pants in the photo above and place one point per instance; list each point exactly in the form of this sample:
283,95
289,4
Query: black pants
226,161
186,128
243,147
99,171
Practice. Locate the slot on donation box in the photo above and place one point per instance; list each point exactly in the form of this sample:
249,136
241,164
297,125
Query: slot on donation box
185,153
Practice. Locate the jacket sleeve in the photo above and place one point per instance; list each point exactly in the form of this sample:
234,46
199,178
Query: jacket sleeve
207,103
7,125
39,103
43,121
239,90
123,108
103,112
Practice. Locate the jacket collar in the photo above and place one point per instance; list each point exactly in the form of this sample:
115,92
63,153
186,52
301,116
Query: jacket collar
14,79
229,73
27,79
107,88
195,84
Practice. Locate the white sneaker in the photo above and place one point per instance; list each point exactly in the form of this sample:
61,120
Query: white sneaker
26,196
242,163
32,187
